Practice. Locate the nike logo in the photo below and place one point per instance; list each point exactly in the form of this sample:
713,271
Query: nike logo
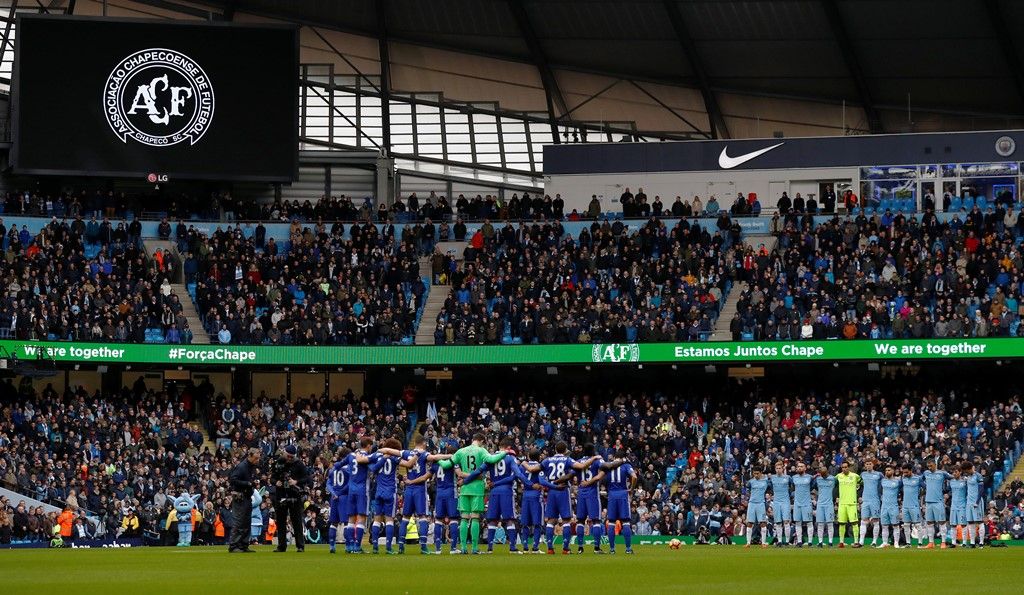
726,162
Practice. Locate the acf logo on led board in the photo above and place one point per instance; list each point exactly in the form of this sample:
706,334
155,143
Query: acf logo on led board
158,97
615,352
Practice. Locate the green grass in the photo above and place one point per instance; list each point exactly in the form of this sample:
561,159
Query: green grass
653,569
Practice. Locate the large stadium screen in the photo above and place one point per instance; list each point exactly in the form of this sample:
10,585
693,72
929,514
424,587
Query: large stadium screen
129,98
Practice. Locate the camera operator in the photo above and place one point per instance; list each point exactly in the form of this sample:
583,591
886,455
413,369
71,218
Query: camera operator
289,481
241,478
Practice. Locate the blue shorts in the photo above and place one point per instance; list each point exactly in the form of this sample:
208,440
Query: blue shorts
870,510
415,503
446,507
755,512
501,506
890,516
824,514
384,506
557,506
801,514
339,510
532,513
934,512
974,513
358,503
618,508
782,512
911,514
957,516
588,507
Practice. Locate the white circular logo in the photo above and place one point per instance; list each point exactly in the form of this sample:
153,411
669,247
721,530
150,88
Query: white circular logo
158,97
1005,146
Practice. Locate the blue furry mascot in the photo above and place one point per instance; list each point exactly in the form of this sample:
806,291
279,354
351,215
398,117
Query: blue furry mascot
183,505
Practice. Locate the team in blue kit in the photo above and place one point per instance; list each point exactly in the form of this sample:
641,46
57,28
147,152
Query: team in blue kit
366,482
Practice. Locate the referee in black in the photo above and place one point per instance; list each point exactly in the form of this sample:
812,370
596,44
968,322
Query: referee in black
290,481
240,478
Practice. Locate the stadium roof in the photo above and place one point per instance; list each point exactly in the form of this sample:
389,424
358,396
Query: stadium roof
956,56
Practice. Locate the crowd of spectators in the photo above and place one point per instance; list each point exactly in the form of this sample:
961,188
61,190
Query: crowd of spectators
534,283
885,276
122,455
318,289
86,281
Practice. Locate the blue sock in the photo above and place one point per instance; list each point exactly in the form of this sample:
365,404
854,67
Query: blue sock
549,534
595,532
491,531
423,527
566,536
438,535
579,534
357,543
611,537
453,534
403,528
537,531
375,536
627,535
332,536
389,535
513,535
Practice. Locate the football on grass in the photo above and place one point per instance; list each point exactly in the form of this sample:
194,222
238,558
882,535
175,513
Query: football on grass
674,544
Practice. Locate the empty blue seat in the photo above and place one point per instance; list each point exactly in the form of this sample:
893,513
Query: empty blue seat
955,204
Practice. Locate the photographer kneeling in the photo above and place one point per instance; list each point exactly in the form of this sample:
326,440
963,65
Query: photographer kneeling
289,481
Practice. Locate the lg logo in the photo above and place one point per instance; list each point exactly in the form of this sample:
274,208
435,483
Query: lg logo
158,97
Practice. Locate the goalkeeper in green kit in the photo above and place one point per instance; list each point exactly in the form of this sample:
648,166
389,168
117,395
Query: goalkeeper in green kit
471,495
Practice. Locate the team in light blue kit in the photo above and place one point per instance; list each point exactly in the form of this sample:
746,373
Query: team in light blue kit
899,505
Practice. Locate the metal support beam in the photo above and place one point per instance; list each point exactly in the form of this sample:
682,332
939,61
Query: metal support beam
6,42
552,92
385,74
716,121
835,19
1005,38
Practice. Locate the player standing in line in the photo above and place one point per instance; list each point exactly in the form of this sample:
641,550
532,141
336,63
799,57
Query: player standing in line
531,516
911,503
958,505
890,510
385,467
358,493
849,482
337,487
975,505
802,505
825,511
415,501
871,503
557,507
620,481
782,506
755,507
934,505
501,501
471,494
446,512
588,500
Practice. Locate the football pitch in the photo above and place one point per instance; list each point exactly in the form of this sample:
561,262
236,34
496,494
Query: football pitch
653,569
